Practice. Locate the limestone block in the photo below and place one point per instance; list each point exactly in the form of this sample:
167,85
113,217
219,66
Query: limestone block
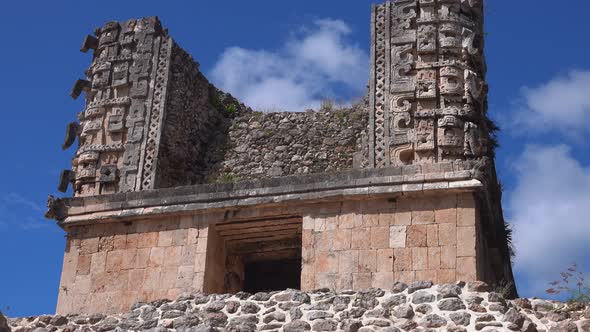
385,260
142,259
367,261
348,262
361,280
420,217
361,238
346,221
120,241
324,240
83,266
152,278
342,239
326,262
434,258
405,276
187,256
466,210
129,258
114,261
88,246
420,258
466,269
448,257
386,218
447,234
446,276
466,241
157,256
147,240
402,259
308,223
402,219
165,238
371,220
131,241
172,256
446,215
380,237
326,280
427,275
98,262
106,243
432,235
397,236
184,278
382,280
417,236
200,260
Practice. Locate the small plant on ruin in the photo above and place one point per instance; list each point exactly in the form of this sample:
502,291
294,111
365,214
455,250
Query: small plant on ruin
504,288
573,283
327,105
231,109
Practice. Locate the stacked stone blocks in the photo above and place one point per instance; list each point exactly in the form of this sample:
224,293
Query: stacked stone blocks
371,244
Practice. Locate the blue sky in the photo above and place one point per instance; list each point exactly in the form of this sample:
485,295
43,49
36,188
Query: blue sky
539,76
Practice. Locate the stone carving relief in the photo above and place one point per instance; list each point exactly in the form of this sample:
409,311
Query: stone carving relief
436,91
127,62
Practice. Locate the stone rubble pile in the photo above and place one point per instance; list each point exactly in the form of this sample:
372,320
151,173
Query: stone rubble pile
420,306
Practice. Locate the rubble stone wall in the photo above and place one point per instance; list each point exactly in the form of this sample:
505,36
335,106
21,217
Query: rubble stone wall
421,306
265,145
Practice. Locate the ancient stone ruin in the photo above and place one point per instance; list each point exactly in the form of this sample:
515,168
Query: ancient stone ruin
419,306
178,188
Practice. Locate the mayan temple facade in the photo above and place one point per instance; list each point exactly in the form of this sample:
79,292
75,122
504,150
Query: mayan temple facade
178,187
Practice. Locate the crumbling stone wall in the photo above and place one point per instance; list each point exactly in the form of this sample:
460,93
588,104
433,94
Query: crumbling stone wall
419,306
263,145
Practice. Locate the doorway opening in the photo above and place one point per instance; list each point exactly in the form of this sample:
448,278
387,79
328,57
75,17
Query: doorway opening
262,255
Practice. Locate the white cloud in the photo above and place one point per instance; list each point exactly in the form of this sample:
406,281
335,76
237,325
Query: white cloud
17,211
550,213
309,67
562,104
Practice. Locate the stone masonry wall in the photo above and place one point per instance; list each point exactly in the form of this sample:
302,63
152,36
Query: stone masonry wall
420,306
108,267
373,243
264,145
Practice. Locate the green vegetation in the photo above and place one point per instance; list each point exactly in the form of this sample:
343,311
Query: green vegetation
573,283
231,109
227,178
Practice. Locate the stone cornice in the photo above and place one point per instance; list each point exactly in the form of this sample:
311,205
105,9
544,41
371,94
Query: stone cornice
345,185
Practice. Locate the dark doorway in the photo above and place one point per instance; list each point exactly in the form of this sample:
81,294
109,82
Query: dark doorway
272,275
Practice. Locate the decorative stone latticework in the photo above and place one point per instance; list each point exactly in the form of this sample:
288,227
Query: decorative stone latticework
144,95
427,86
419,306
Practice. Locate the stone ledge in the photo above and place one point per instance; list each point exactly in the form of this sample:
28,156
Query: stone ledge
353,184
414,307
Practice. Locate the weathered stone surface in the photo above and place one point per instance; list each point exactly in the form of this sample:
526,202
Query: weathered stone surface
452,304
403,311
297,326
3,324
433,321
417,285
422,297
460,318
152,121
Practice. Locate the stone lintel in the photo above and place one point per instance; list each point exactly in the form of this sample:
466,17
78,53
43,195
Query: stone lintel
293,190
